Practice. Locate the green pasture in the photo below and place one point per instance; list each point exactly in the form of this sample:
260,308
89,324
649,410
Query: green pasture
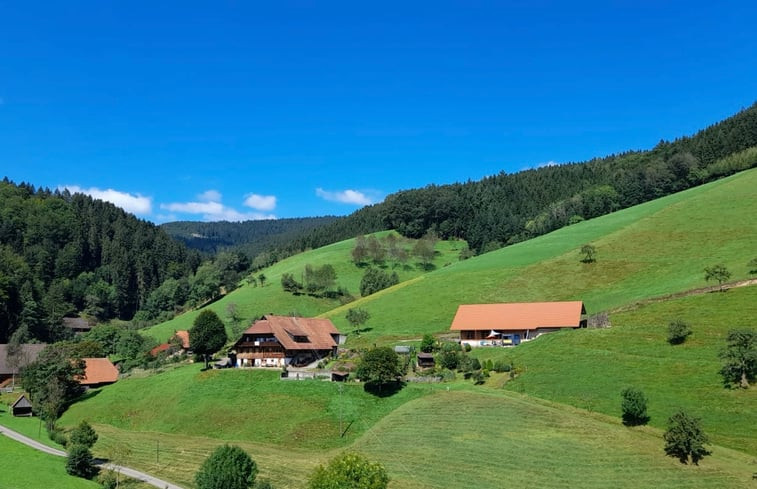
487,441
239,404
657,248
588,368
27,468
252,302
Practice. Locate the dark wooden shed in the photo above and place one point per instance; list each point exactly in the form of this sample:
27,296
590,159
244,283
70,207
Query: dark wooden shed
426,360
22,407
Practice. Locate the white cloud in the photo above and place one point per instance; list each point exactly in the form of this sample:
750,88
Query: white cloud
345,196
261,202
214,211
134,203
210,196
547,163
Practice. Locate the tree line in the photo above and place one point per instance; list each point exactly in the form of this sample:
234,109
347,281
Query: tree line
507,208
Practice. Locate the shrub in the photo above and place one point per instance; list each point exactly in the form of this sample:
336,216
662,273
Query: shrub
83,434
349,471
634,407
228,467
678,331
501,366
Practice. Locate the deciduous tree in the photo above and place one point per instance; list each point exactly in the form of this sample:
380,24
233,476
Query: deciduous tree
717,272
379,366
357,317
589,253
349,471
740,358
207,335
634,407
228,467
678,331
685,438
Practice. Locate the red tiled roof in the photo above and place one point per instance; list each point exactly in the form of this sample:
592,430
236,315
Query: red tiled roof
98,371
518,316
160,348
317,331
184,337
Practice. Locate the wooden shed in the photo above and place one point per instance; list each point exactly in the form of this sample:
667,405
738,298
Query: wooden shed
22,406
426,360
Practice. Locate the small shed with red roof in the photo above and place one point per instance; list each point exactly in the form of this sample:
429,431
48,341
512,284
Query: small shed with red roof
98,372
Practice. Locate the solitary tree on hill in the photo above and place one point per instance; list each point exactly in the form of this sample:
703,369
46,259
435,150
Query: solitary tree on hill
685,439
717,272
208,335
752,266
379,366
589,253
357,317
634,407
740,358
678,331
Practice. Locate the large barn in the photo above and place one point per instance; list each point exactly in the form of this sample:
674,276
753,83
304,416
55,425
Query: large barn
508,324
275,341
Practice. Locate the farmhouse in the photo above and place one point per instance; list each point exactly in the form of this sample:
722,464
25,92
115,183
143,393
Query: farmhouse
275,341
78,325
508,324
98,372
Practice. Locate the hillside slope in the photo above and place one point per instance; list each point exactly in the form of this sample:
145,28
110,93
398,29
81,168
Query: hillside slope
652,249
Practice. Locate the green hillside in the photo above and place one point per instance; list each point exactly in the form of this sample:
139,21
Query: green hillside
26,467
653,249
253,302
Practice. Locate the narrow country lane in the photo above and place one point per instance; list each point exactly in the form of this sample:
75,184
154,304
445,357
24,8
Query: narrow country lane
129,472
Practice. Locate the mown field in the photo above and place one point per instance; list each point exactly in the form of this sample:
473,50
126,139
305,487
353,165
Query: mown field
254,301
653,249
490,441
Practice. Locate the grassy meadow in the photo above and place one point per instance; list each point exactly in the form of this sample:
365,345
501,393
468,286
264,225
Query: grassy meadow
588,368
25,467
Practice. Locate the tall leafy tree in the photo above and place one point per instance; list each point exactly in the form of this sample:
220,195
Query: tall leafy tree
740,358
379,366
634,407
685,438
208,334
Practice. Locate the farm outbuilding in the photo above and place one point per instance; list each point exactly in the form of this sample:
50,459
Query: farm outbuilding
21,407
508,324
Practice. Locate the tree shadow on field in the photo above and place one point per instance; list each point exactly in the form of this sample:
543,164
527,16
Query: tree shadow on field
385,389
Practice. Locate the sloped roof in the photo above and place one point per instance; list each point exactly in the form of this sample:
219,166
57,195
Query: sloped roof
160,348
29,353
77,323
284,328
98,371
518,316
184,337
21,402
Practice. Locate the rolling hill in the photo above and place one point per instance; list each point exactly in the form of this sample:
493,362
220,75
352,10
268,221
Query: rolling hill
556,425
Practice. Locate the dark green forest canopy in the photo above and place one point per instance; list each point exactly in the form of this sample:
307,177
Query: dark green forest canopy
508,208
62,253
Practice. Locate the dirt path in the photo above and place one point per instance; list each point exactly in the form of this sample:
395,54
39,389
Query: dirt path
686,293
129,472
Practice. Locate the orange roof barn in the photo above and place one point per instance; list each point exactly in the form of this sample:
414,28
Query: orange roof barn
97,372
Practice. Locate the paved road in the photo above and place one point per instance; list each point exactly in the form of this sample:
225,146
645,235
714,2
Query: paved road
134,474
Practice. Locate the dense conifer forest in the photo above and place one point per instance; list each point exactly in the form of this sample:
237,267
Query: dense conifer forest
508,208
61,254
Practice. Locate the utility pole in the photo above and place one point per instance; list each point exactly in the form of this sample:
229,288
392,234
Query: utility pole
341,433
157,452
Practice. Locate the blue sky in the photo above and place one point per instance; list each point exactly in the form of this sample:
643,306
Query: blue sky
240,110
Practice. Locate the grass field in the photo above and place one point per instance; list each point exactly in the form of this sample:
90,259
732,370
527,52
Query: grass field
253,302
487,441
588,368
239,404
22,467
656,248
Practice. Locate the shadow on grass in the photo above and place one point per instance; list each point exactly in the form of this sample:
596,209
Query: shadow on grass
386,389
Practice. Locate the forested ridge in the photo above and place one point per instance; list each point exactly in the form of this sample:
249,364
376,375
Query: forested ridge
248,237
63,253
507,208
